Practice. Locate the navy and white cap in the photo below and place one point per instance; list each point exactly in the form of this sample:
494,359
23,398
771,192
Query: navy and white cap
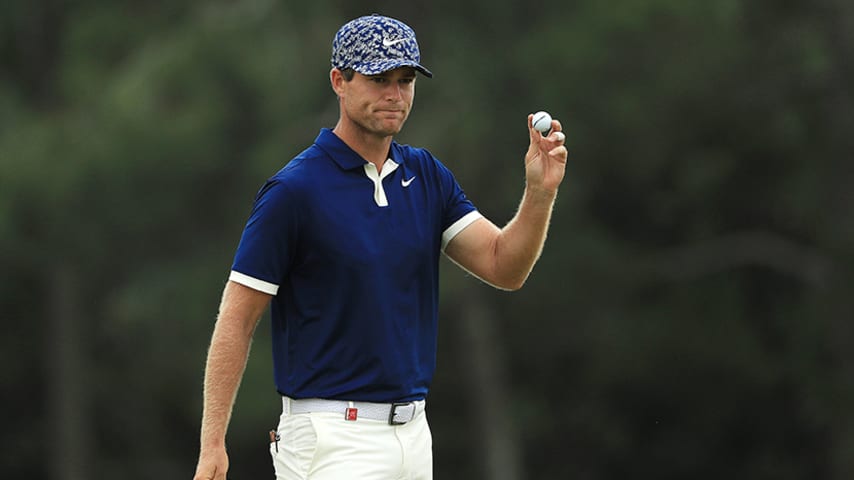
375,44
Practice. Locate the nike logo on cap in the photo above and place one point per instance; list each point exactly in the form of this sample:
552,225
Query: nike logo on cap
388,43
405,183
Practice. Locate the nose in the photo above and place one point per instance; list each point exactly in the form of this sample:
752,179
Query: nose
394,91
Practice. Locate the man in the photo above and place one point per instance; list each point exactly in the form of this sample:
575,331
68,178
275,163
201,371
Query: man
346,240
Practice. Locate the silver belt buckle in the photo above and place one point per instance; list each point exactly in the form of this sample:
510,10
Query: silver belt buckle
393,410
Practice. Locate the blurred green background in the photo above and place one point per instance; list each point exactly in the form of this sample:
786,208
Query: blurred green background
691,315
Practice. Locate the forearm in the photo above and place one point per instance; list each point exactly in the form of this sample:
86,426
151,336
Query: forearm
223,371
226,362
520,242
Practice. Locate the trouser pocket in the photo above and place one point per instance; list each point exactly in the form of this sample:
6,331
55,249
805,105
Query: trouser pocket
293,447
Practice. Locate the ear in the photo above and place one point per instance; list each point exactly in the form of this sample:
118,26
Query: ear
336,78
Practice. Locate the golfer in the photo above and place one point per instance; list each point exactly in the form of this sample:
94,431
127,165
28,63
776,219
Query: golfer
345,242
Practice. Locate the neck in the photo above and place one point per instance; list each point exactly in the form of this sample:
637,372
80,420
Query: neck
373,148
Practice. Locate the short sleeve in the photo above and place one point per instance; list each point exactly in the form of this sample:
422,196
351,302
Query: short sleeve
266,247
458,211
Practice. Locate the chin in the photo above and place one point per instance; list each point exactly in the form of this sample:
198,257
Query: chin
390,130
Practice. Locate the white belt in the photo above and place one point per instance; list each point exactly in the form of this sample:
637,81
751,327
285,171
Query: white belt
393,413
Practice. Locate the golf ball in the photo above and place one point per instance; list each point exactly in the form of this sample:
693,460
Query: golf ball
542,121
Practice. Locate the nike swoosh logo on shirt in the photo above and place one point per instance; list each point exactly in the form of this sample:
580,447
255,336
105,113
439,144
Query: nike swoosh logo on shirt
405,183
388,43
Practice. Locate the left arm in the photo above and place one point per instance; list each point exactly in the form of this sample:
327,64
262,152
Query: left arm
505,257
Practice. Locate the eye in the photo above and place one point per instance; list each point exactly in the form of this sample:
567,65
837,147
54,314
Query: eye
407,80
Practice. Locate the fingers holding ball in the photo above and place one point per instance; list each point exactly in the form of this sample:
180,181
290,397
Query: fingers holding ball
543,123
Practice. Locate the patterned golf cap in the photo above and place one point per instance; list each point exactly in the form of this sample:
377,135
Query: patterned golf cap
375,44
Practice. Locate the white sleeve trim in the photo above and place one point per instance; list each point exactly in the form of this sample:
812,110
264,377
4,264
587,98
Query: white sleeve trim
254,283
459,226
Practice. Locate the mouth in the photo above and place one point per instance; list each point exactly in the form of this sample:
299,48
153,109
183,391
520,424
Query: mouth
391,114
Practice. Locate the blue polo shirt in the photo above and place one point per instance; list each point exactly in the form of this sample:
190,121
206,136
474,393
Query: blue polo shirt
351,256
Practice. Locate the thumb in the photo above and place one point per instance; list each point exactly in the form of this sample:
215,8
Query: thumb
210,472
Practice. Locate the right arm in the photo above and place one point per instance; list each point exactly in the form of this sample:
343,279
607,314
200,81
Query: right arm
239,312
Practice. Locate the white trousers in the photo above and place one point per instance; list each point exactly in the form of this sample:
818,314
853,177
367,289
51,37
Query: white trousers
325,446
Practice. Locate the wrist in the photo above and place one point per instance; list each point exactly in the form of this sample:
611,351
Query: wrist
212,440
540,193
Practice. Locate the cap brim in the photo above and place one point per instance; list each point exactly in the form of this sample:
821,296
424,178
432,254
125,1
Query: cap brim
375,68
